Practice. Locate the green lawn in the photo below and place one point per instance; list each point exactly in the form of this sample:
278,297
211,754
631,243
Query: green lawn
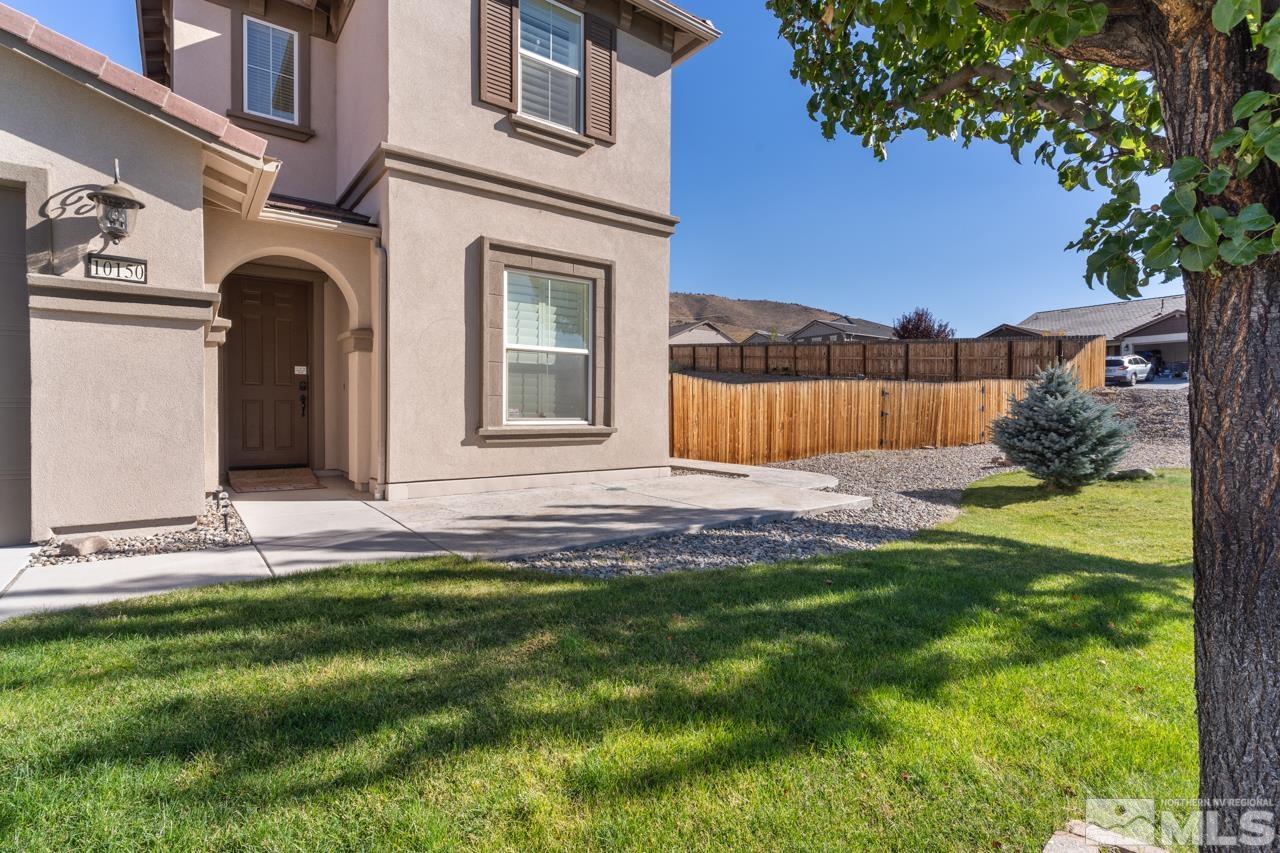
963,691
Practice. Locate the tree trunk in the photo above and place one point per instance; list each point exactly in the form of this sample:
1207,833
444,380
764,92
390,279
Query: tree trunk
1234,318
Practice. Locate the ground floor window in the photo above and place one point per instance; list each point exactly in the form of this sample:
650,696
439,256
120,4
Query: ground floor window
548,349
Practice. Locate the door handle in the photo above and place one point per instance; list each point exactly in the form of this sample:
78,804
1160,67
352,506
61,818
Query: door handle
302,398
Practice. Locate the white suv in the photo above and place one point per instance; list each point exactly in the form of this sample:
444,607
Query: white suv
1129,370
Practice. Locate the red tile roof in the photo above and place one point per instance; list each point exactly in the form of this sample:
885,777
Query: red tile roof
172,105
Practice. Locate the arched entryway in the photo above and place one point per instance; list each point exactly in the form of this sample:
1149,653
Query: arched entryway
285,371
316,284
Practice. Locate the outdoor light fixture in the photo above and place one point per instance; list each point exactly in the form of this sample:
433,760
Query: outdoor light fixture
118,208
224,509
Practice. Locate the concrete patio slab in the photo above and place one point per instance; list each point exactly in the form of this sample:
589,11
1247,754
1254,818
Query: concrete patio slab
306,533
503,525
81,584
317,529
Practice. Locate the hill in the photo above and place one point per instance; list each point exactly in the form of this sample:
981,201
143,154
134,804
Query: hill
741,317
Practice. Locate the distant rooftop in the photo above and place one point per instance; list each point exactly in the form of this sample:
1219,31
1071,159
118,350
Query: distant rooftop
1111,319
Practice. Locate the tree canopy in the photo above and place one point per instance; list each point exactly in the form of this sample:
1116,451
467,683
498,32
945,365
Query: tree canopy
920,324
1073,83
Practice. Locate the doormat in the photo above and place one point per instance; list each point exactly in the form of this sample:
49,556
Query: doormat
274,480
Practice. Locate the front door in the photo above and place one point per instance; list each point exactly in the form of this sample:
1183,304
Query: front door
268,372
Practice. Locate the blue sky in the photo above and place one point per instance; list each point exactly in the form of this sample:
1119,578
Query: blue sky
771,210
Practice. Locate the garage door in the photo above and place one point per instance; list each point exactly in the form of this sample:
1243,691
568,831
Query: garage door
15,373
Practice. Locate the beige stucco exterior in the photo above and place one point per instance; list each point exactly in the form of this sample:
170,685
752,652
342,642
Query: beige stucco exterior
117,393
407,177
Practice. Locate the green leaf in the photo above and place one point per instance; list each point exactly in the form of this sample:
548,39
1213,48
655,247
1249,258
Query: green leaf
1184,169
1201,229
1216,181
1122,278
1230,139
1240,253
1273,150
1255,217
1228,13
1162,255
1249,103
1180,203
1198,258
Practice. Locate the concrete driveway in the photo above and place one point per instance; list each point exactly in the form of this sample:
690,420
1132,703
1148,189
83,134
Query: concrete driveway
308,530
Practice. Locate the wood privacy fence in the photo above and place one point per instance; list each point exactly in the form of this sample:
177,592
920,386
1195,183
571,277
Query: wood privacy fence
756,422
925,361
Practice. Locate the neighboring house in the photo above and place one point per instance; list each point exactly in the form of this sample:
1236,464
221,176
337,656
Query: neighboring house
422,244
701,332
1157,324
843,329
762,337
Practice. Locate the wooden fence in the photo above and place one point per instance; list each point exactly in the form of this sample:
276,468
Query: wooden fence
756,422
926,361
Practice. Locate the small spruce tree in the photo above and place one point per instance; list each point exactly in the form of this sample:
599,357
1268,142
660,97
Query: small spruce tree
1060,434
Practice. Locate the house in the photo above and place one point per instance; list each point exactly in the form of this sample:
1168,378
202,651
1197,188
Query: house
1154,325
841,329
420,245
762,337
699,332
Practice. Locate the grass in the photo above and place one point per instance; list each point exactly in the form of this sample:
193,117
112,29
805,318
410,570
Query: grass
962,691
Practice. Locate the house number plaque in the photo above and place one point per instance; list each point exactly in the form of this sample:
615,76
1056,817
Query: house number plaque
113,268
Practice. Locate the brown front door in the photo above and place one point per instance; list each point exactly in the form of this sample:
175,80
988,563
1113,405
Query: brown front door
268,372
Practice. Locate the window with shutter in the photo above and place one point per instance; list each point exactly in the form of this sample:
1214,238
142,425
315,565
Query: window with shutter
550,63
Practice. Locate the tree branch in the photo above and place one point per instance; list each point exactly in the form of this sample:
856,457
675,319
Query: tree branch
1059,105
1123,43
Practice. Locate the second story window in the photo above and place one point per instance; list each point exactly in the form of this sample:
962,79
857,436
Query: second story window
270,71
550,63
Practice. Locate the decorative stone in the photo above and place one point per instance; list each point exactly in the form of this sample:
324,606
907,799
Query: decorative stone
82,546
1132,474
1001,461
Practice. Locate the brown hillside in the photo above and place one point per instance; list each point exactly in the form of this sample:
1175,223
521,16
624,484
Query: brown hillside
741,317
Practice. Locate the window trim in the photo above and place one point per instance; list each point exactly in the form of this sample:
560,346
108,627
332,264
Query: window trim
522,55
508,347
296,121
495,256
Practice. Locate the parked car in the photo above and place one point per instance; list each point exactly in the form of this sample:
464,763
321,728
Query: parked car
1157,363
1129,370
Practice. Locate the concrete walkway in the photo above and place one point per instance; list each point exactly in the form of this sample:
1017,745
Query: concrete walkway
309,530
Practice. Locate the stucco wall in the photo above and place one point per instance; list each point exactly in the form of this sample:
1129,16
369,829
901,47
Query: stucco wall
117,391
435,108
435,336
202,34
77,143
362,96
118,432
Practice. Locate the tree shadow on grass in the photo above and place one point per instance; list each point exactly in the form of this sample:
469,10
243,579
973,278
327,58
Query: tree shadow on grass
719,669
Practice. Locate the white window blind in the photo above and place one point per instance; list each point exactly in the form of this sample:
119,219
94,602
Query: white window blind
548,353
550,62
270,71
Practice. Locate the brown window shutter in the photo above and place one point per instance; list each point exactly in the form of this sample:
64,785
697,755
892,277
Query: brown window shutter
600,80
498,52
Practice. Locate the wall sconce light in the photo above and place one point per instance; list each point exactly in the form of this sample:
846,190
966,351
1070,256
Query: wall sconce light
118,208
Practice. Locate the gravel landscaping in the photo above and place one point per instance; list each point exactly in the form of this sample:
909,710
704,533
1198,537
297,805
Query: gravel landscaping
912,490
208,534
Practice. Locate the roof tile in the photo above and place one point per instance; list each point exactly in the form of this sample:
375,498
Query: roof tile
67,50
194,114
133,83
239,138
13,21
